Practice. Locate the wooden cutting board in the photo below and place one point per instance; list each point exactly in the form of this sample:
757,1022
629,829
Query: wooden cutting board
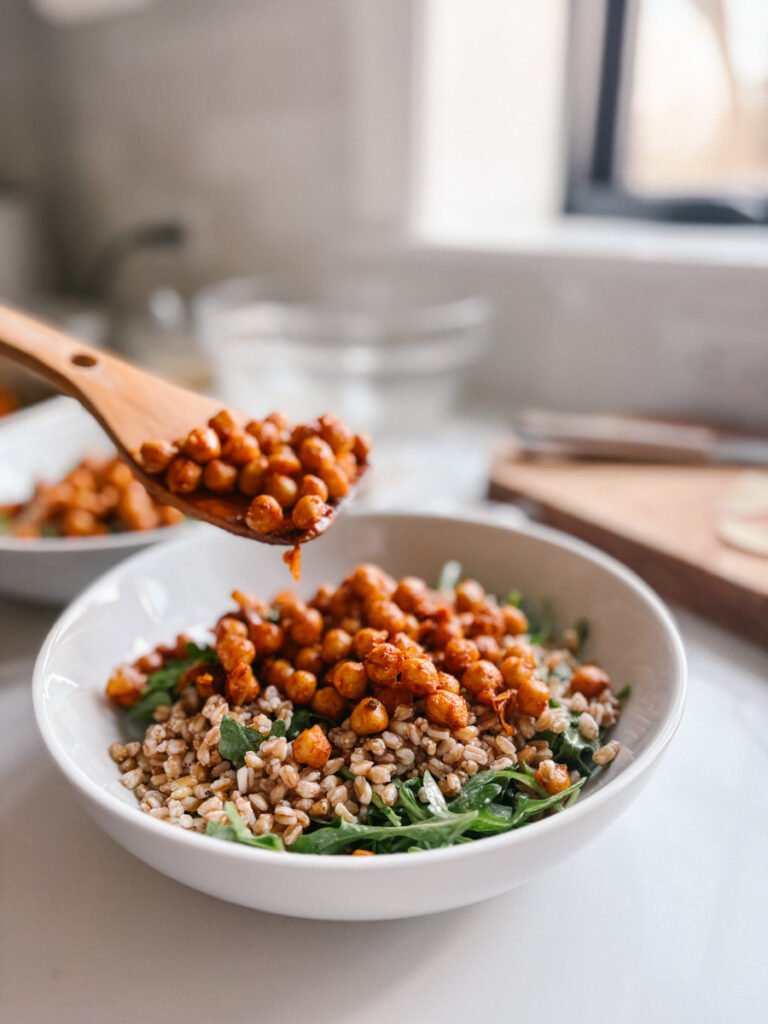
659,520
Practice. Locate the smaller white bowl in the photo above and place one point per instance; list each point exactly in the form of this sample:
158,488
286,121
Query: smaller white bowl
44,442
186,586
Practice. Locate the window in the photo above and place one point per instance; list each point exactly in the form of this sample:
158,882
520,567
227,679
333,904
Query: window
670,120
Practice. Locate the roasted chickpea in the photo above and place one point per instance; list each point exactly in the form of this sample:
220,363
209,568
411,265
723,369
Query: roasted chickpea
220,477
251,477
336,433
149,662
202,444
309,659
267,637
350,679
552,776
590,680
337,644
283,489
469,595
419,675
532,696
322,598
343,603
481,675
385,615
266,434
280,420
313,486
370,579
79,523
366,639
264,514
304,430
459,655
515,620
309,511
156,456
449,682
288,604
183,476
336,480
409,647
230,626
125,686
242,687
446,708
347,463
383,663
240,448
169,516
301,687
489,648
224,423
278,672
393,696
232,649
316,454
408,592
369,717
362,447
284,460
329,703
487,620
312,748
515,669
306,628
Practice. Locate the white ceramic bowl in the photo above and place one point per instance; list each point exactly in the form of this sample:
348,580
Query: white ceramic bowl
186,584
44,442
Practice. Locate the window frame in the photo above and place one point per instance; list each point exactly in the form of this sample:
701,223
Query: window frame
601,41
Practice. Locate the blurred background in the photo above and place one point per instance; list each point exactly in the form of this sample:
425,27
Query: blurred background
425,214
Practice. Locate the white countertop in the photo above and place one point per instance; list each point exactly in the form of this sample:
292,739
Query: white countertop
663,918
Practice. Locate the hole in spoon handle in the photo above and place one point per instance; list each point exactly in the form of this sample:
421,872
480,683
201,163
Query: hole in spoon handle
84,359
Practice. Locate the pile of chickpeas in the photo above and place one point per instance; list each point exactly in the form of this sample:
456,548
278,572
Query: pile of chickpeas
293,475
98,496
360,650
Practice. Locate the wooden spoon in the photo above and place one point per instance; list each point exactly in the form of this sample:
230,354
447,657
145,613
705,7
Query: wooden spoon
134,406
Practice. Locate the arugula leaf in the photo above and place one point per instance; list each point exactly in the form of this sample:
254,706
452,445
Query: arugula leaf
477,792
582,634
238,832
162,686
408,801
545,623
386,812
624,693
526,807
145,706
303,719
435,799
237,739
438,831
573,749
515,598
449,577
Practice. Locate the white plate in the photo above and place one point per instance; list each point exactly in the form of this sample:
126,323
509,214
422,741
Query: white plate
45,442
185,585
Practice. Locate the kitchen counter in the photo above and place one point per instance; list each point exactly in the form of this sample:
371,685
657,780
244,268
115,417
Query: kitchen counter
663,918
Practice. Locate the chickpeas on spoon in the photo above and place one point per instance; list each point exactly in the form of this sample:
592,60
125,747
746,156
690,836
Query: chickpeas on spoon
258,479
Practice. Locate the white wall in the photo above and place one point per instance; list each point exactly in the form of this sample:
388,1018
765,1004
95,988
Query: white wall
229,114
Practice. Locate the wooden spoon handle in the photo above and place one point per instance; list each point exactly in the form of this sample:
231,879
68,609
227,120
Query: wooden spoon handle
131,405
